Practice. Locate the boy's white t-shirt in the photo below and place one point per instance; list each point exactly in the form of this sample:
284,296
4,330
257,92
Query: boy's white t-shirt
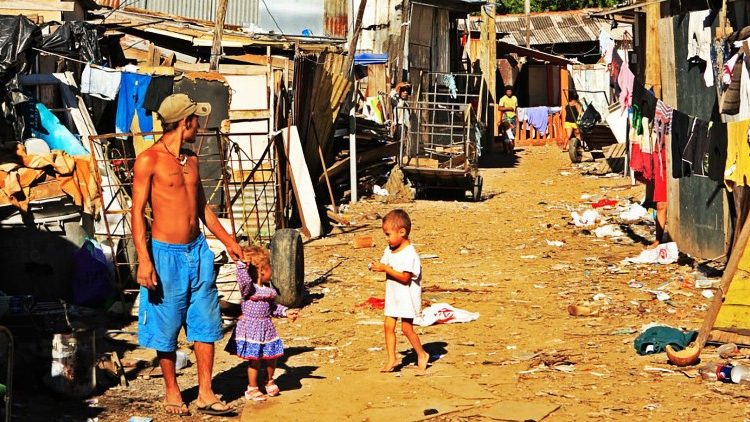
401,300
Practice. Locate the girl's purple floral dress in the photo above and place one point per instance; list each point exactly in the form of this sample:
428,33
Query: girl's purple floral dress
255,337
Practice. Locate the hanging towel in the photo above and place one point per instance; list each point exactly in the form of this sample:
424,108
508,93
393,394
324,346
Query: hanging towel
133,87
730,99
699,42
100,83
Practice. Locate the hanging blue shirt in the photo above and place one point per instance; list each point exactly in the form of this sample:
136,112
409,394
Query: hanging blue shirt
133,88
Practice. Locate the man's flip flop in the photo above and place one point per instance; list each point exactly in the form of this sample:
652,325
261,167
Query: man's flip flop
210,409
182,409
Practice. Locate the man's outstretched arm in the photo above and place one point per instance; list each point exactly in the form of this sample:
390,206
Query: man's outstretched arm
209,218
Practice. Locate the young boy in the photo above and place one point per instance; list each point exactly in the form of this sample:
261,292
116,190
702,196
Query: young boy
403,287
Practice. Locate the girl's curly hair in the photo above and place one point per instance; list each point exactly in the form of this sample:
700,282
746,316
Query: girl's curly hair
255,256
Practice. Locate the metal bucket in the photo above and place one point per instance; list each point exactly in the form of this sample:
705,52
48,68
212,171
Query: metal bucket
73,370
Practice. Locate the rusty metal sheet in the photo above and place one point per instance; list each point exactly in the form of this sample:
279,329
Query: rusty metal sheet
335,18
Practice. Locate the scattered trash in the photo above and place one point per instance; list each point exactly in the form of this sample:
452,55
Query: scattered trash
373,303
363,241
656,338
428,412
181,360
666,253
623,331
740,374
140,419
604,202
578,310
706,283
555,243
587,219
633,214
716,372
374,349
652,406
428,256
728,350
708,294
599,296
443,313
609,230
660,295
635,285
528,256
377,190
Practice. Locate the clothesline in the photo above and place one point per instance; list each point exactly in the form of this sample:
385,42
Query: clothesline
95,66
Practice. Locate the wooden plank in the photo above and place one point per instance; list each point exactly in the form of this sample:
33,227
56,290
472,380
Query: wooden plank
257,59
376,80
224,69
301,183
38,16
48,5
249,114
669,96
363,157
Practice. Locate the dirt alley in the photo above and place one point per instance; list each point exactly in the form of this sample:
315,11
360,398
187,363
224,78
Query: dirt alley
492,258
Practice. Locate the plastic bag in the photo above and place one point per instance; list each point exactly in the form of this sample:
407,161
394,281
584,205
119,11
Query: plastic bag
92,276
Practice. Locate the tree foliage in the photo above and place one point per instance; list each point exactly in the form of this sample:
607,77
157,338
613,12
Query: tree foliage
516,6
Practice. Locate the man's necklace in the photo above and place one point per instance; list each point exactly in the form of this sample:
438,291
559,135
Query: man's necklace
182,158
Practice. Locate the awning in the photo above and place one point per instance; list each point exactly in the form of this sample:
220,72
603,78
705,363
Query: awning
365,59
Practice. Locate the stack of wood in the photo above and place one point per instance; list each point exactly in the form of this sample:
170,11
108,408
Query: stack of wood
376,154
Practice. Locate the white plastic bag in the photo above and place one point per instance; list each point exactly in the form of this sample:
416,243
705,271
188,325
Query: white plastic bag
443,313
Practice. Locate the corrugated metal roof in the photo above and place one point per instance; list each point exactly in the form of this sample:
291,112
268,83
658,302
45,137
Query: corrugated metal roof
550,28
238,12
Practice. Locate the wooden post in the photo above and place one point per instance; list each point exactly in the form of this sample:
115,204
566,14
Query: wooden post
653,61
221,12
527,11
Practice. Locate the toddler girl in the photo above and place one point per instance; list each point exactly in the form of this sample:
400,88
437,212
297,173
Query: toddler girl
255,339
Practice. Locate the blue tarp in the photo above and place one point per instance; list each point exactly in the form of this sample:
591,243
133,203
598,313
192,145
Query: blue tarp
365,59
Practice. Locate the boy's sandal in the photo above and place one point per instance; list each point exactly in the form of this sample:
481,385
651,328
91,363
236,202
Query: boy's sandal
272,389
253,393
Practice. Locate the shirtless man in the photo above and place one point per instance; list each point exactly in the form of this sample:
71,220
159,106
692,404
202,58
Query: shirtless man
175,270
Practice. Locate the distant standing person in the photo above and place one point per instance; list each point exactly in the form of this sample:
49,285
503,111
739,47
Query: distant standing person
400,98
176,268
573,111
255,338
403,287
508,104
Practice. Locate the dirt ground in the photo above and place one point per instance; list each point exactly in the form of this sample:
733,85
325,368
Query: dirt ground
524,352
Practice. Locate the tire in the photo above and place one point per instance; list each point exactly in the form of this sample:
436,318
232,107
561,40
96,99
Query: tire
288,267
477,191
575,150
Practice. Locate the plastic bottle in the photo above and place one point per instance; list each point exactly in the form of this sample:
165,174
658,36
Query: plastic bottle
727,350
716,372
740,374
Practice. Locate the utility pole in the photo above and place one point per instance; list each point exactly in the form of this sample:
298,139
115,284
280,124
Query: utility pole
353,107
221,13
527,10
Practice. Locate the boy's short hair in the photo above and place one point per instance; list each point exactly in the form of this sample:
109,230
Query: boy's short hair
399,219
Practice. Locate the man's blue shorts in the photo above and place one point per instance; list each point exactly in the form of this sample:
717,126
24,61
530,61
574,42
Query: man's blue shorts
186,295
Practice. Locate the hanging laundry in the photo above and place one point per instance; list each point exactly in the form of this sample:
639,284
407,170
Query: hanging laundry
728,69
133,87
159,88
730,99
681,127
645,99
450,82
100,82
699,42
614,73
737,171
696,150
605,42
538,117
625,81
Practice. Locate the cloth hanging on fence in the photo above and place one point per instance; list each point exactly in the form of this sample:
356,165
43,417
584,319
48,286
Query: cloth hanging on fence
100,83
133,87
614,74
699,42
681,127
538,117
730,99
737,171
